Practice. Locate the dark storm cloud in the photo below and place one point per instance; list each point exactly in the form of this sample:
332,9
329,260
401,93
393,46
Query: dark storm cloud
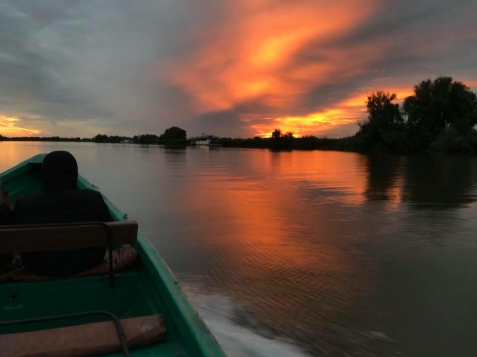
256,106
227,122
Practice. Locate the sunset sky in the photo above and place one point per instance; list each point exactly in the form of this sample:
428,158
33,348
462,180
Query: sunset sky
227,68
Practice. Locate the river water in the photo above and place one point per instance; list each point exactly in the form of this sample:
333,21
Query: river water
315,253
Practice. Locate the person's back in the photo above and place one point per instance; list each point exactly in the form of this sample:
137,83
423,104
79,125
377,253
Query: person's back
61,202
6,208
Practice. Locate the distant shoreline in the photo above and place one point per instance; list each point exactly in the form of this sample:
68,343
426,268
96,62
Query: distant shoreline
347,144
302,143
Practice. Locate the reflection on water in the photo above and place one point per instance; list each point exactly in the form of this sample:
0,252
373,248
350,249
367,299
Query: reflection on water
383,181
440,182
343,254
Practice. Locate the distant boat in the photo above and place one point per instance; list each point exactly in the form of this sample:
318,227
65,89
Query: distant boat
205,140
141,308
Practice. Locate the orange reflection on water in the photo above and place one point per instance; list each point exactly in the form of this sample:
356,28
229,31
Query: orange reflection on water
395,194
326,172
277,223
12,153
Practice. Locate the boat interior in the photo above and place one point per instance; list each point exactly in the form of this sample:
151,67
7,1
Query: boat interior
73,306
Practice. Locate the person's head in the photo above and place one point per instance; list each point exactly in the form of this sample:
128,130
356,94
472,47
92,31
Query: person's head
59,171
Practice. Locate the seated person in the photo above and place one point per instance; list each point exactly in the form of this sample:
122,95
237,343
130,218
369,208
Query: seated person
61,202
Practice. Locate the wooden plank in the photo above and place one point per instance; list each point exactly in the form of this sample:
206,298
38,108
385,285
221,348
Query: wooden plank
84,340
51,238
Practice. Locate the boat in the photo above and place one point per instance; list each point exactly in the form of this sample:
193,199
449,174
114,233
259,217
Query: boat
139,311
205,140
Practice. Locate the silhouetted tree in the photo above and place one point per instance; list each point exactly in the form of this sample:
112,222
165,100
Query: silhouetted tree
174,133
146,139
281,141
100,138
173,136
383,129
436,107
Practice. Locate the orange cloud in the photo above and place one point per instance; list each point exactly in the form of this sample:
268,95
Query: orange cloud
250,53
9,127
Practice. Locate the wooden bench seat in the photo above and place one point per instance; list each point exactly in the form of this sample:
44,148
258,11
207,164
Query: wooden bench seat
84,340
123,258
65,237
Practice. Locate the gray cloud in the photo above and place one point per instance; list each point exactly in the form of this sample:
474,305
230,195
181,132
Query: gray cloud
87,60
31,87
227,122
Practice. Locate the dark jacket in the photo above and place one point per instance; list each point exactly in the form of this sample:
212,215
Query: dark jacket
65,206
6,208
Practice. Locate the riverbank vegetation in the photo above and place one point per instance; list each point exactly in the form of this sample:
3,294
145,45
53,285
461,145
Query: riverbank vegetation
440,116
44,138
171,136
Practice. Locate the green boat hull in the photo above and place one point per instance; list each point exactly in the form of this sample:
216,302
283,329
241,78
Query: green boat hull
147,288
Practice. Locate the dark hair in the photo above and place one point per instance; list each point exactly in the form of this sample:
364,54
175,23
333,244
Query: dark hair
59,171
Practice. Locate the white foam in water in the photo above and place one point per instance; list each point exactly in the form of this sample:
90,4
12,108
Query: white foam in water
236,341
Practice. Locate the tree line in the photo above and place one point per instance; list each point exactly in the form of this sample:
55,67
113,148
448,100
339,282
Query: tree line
441,115
44,138
172,136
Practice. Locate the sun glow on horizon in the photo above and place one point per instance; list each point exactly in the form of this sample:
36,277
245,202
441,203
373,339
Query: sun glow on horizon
308,124
348,111
8,127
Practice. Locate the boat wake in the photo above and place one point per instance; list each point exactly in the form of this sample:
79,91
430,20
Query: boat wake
237,341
